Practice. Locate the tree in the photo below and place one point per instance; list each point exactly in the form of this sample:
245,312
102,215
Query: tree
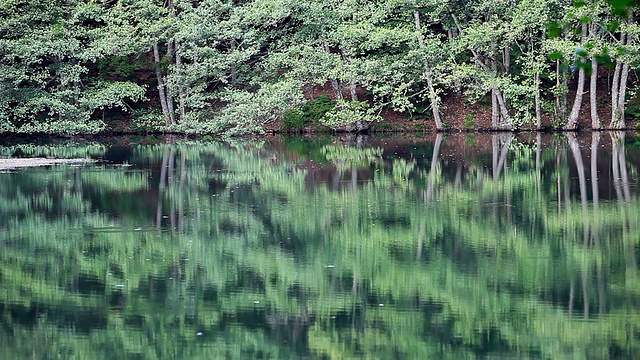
48,49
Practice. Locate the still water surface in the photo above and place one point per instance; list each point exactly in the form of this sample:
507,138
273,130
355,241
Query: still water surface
447,247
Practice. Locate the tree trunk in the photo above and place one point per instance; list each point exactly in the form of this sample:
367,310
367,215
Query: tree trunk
170,102
538,103
622,93
593,95
495,114
620,86
335,85
561,99
506,59
181,95
506,120
161,87
572,122
615,85
352,83
504,112
433,97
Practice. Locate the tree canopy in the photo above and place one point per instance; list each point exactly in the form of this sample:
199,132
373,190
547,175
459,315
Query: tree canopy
229,67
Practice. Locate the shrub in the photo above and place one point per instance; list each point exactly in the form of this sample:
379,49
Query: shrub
307,114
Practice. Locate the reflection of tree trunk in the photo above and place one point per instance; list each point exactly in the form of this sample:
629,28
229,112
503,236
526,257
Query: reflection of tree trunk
434,164
539,163
585,290
354,178
571,295
495,155
458,179
335,181
503,152
565,181
621,184
595,142
161,186
559,190
170,184
183,174
575,149
620,181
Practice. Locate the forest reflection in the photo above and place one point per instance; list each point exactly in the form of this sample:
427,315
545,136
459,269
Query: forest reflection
452,246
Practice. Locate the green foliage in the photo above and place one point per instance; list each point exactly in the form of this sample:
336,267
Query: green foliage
346,113
308,114
228,67
469,121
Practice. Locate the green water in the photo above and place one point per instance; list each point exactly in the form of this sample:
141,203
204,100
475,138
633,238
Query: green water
447,247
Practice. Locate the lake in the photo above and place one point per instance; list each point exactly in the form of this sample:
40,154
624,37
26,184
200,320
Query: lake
460,246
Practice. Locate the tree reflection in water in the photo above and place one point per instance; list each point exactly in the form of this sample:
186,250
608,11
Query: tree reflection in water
365,247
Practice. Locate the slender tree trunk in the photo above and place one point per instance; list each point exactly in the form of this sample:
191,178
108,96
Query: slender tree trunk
161,86
572,122
181,92
615,87
495,113
170,101
538,103
433,97
504,112
495,107
561,88
506,59
620,88
622,93
593,94
558,102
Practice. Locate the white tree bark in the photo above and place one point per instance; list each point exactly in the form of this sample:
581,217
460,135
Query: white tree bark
572,122
433,97
161,87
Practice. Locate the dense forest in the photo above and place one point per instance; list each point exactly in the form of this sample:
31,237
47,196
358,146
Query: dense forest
232,67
